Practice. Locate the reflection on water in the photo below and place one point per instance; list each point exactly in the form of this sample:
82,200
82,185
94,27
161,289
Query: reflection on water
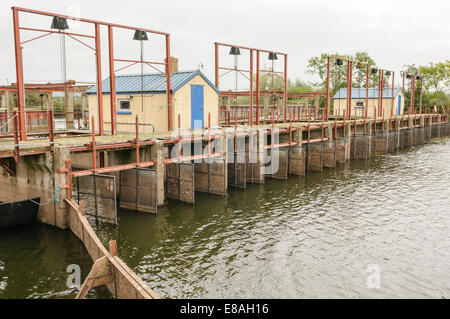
34,259
305,237
301,238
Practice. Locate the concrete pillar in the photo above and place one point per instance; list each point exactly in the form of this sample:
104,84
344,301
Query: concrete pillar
85,110
349,133
69,108
297,153
157,155
329,149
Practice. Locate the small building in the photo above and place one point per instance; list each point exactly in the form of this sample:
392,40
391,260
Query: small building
194,97
359,102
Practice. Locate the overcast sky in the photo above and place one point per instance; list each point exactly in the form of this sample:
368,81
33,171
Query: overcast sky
393,32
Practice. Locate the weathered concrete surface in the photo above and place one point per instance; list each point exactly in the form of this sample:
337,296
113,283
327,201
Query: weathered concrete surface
37,176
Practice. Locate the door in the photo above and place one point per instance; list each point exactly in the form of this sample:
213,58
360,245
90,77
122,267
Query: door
197,106
399,105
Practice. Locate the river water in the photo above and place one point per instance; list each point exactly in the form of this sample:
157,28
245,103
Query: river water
377,228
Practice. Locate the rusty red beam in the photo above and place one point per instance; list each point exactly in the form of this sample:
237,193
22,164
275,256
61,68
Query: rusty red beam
86,20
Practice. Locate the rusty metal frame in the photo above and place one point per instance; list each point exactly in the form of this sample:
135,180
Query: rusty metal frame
253,93
96,37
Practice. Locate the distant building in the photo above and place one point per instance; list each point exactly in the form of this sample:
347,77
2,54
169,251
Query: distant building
359,101
193,97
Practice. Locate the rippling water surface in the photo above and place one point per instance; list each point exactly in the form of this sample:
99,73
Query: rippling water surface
301,238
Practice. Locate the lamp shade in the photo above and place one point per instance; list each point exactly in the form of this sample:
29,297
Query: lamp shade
408,76
374,71
235,51
273,56
59,23
140,35
388,73
339,62
418,77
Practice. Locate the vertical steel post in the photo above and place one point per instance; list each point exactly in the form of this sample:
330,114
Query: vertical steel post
169,86
112,80
327,106
421,94
216,55
251,88
94,146
380,91
19,76
99,78
367,90
285,87
393,91
137,140
257,87
413,92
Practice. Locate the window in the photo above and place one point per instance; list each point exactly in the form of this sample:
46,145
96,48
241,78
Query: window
359,105
124,107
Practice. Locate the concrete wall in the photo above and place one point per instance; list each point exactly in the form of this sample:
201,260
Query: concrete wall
154,112
155,109
340,105
37,176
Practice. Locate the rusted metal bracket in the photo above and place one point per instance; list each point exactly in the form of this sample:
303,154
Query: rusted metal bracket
9,164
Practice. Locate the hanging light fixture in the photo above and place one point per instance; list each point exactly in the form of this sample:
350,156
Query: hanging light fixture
374,71
273,56
141,36
418,78
339,62
388,73
59,23
235,51
408,76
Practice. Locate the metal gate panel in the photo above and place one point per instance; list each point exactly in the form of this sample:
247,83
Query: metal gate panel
211,177
361,151
392,146
173,181
99,194
315,157
201,177
217,177
427,134
237,175
352,140
138,190
253,169
341,147
407,138
180,182
329,154
297,160
283,163
147,199
382,142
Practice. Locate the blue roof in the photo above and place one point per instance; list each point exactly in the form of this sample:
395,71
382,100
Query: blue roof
153,83
360,93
